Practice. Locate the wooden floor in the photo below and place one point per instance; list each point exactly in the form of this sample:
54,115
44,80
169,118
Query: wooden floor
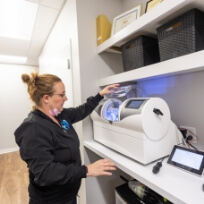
13,179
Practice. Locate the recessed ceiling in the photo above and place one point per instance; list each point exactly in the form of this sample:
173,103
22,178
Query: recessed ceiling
47,13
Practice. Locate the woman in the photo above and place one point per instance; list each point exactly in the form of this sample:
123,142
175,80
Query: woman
49,144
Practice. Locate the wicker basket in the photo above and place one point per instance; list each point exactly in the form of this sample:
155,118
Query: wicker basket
181,36
140,52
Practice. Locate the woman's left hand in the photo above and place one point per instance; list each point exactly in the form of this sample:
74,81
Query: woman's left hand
102,167
109,89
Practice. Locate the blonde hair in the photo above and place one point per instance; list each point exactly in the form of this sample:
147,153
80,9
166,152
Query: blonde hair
39,85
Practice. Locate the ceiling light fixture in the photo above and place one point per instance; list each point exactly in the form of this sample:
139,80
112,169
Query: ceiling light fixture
17,18
12,59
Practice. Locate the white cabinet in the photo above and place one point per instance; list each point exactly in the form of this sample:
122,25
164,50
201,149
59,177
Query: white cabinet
176,185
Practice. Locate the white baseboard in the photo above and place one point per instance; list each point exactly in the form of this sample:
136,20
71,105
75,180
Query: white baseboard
14,149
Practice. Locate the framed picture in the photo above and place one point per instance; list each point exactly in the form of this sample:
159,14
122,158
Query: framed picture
124,19
151,4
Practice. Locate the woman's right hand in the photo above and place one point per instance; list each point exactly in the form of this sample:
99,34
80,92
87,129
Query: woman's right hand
101,167
109,89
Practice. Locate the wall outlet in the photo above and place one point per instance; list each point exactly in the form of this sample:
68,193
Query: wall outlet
192,129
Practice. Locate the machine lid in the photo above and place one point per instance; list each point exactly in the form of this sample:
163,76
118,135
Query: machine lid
110,110
155,118
128,91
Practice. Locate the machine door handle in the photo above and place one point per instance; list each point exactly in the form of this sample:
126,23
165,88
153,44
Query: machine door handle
157,111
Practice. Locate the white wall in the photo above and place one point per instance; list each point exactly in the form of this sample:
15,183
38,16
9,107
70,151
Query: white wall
15,103
57,50
129,4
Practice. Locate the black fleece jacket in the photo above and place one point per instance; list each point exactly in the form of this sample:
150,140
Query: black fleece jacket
52,153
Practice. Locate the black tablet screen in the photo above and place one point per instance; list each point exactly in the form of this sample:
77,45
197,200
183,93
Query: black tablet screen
187,159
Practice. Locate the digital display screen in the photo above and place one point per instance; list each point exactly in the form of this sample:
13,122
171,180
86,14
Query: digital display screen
190,159
134,104
187,159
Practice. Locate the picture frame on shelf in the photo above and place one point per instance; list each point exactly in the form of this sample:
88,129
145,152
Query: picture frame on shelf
151,4
124,19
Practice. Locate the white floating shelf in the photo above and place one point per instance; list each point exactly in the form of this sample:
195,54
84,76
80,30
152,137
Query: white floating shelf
184,64
176,185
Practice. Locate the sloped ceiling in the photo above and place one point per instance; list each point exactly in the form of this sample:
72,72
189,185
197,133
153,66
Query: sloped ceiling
48,12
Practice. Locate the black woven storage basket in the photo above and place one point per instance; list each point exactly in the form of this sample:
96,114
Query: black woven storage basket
140,52
181,36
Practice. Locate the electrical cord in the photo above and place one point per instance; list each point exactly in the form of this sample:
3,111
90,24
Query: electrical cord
157,167
185,132
188,139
